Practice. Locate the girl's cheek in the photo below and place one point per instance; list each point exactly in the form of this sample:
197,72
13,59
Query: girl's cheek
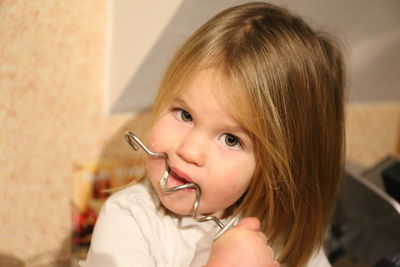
152,142
235,181
154,168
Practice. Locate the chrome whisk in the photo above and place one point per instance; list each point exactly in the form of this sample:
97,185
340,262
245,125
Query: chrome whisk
134,142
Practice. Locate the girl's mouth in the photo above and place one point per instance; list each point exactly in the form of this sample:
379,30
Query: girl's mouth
177,178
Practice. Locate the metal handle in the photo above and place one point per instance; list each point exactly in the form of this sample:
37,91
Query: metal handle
133,141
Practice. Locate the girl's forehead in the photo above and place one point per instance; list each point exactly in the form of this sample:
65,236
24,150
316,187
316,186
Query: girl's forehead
227,89
206,79
230,95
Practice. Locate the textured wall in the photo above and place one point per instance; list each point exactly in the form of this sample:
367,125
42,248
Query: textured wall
52,58
373,132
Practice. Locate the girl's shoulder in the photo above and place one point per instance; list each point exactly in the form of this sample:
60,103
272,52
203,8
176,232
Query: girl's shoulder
138,195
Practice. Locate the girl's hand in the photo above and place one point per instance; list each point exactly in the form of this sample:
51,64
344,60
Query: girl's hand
244,245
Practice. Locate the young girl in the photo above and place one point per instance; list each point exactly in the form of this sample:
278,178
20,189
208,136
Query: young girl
251,110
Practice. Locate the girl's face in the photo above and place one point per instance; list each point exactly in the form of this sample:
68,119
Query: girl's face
205,145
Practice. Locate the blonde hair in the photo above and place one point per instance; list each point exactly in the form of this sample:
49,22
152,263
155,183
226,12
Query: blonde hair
284,83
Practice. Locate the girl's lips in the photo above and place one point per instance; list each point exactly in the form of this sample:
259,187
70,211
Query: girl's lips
177,178
179,175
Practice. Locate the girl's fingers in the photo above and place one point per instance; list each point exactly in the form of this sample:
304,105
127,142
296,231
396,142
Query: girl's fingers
253,224
271,251
250,223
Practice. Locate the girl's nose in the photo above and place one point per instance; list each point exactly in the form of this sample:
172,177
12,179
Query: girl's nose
192,149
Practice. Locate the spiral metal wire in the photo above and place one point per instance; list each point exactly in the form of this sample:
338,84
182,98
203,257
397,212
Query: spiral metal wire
134,142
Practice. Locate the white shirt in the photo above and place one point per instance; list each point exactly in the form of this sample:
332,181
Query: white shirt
132,231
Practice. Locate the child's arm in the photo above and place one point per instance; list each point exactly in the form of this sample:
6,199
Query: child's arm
243,245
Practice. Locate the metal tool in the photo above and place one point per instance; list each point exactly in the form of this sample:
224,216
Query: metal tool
134,142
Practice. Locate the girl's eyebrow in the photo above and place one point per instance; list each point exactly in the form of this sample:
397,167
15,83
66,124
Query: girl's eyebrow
237,130
181,102
233,129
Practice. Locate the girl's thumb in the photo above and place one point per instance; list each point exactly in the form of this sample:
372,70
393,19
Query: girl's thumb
251,223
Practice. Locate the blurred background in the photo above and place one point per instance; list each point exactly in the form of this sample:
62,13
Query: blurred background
75,75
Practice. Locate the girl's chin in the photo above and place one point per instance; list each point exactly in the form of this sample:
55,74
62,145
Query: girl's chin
178,210
175,205
185,210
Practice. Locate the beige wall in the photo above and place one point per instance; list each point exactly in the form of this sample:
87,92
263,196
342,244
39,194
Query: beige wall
52,58
373,132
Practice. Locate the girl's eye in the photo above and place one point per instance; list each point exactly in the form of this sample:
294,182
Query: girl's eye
230,140
183,115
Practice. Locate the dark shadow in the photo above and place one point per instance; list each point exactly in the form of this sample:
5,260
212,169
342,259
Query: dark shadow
377,80
365,227
10,261
143,85
60,258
